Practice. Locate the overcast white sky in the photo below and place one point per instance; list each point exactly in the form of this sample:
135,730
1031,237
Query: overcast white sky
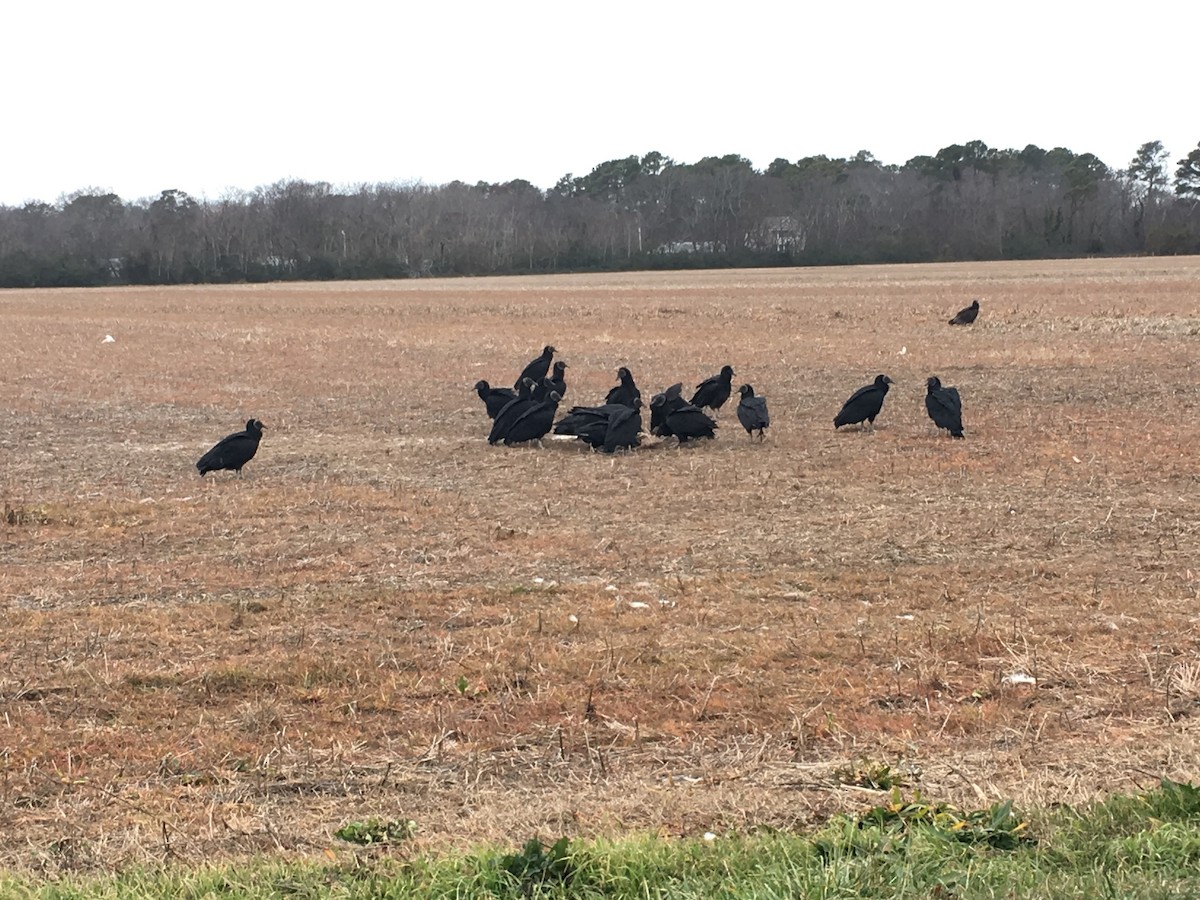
136,97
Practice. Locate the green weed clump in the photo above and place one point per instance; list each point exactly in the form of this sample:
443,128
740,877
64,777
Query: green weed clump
866,773
376,831
997,826
537,866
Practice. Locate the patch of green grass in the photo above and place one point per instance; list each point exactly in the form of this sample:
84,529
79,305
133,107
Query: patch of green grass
536,867
1145,846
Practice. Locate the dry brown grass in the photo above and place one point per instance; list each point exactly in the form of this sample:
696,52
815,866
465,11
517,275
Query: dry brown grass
387,617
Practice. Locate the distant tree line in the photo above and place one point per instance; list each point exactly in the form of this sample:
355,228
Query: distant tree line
966,202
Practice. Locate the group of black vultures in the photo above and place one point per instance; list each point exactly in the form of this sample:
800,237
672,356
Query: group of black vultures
526,411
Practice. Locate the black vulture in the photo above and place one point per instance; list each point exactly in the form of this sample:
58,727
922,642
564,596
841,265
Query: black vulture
535,422
688,421
557,383
713,392
944,406
581,419
494,398
625,392
594,432
537,368
511,411
661,405
624,426
967,315
752,412
864,404
233,451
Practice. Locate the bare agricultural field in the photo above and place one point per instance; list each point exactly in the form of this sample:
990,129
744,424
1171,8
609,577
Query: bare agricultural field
388,618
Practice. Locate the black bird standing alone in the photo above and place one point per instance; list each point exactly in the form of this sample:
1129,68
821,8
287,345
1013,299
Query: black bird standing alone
752,412
864,404
537,368
233,451
967,315
944,406
713,392
625,392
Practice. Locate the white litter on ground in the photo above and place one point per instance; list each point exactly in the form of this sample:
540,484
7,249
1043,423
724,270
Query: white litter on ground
1019,678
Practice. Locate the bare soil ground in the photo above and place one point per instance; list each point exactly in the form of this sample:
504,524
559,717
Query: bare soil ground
387,617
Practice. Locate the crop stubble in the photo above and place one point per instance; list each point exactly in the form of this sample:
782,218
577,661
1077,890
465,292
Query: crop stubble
387,617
